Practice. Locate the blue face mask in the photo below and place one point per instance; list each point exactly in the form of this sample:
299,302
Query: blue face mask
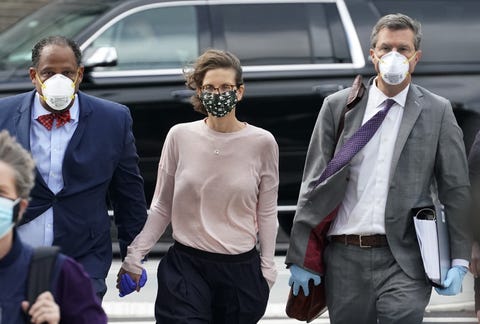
8,214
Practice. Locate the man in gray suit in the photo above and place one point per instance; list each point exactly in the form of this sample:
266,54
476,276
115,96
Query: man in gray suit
372,268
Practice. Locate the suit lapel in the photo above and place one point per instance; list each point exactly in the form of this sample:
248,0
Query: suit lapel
22,120
412,110
85,109
353,120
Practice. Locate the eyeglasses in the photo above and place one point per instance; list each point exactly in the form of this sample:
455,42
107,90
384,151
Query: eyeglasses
221,89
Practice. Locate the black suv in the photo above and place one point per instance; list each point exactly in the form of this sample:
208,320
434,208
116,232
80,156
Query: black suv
294,53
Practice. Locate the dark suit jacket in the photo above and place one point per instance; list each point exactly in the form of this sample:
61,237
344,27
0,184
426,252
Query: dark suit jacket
101,156
429,150
474,170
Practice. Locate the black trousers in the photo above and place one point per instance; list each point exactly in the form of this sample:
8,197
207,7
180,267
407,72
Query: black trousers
201,287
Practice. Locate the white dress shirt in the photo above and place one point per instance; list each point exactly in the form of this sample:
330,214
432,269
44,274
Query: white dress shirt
48,149
362,210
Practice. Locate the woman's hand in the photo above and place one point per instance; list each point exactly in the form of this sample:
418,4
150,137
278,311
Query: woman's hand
45,309
127,282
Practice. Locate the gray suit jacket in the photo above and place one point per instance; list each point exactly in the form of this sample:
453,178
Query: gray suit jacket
429,149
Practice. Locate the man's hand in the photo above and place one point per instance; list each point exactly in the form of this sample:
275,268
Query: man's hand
44,310
475,262
300,277
453,282
128,282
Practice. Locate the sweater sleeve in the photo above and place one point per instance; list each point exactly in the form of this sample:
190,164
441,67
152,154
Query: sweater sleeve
267,212
76,297
160,212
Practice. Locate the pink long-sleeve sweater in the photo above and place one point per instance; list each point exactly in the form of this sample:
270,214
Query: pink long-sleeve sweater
219,191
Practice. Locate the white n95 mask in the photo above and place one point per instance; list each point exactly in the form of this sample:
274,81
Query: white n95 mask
394,67
58,91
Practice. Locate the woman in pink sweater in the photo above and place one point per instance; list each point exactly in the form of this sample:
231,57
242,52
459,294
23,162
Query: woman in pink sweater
217,185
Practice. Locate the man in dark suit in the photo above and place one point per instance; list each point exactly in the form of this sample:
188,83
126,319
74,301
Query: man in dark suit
372,268
474,171
84,149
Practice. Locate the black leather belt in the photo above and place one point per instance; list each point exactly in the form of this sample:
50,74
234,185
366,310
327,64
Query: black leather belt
363,241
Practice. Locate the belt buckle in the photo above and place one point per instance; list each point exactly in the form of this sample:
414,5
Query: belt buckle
361,243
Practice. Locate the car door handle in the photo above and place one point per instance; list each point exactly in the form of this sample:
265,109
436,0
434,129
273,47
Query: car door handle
182,95
327,89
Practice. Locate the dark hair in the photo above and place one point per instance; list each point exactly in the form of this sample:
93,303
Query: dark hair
397,22
55,40
210,60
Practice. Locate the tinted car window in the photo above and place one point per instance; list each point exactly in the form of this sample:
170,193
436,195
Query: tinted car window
163,37
288,21
66,19
442,30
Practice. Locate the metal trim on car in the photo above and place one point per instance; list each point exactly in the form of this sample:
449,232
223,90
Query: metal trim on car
358,60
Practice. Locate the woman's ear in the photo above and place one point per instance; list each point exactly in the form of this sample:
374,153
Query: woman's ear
22,207
240,92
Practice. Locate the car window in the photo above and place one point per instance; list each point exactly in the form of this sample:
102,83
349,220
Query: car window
291,33
156,38
62,18
447,26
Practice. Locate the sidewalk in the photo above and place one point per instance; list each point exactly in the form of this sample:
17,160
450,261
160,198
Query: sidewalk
140,305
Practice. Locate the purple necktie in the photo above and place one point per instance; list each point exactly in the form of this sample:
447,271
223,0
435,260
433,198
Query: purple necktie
355,143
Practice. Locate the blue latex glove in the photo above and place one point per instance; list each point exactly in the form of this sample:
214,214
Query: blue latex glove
127,285
300,277
453,282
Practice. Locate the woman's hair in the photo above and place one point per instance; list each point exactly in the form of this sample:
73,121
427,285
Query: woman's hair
20,161
210,60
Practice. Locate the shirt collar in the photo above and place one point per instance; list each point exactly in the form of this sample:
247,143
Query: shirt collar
39,110
379,97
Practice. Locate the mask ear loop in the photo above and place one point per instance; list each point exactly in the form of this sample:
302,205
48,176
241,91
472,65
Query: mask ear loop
42,86
73,85
412,57
16,210
409,60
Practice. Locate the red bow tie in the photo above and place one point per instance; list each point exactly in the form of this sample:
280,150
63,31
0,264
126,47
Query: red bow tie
47,120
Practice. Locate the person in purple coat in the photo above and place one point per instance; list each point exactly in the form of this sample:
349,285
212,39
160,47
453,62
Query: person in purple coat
71,298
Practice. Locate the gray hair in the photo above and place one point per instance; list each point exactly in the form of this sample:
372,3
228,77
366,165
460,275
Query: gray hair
397,22
13,154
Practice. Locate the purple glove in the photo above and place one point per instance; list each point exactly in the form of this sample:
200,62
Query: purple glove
127,285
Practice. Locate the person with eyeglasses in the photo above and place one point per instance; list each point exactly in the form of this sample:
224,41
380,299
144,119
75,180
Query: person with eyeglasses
217,185
71,298
353,230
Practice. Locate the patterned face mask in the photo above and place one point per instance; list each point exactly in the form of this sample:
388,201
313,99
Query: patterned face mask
219,105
